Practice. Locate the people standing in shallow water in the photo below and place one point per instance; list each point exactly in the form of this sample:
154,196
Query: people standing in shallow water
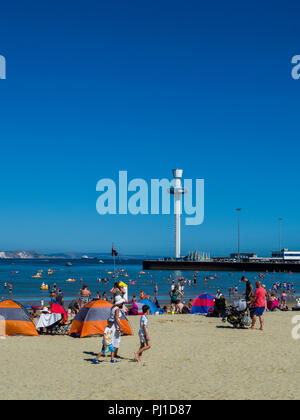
60,298
155,291
52,298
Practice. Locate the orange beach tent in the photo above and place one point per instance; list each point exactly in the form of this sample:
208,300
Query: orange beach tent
15,320
92,319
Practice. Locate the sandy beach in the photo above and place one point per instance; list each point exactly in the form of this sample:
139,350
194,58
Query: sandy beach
191,358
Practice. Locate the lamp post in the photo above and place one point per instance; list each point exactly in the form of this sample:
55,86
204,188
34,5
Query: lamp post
239,241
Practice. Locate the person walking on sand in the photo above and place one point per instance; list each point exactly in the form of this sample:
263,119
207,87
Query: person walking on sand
107,346
115,316
143,334
259,305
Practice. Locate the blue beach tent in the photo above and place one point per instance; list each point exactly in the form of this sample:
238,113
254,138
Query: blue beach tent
153,309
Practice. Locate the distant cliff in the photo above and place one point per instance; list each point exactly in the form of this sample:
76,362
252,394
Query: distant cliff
63,255
25,255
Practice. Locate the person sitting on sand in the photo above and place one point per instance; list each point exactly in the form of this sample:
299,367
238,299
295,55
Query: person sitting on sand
34,314
190,304
220,307
143,334
134,310
180,307
107,347
272,301
259,305
176,296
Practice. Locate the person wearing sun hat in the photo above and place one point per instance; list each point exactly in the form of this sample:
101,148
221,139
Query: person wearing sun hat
45,310
115,316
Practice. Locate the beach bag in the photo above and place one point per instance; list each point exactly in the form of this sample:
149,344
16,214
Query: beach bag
246,320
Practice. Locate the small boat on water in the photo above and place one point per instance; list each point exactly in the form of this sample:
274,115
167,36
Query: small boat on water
71,280
68,264
86,257
44,286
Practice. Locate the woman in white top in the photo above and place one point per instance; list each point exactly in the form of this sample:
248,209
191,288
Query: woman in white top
115,316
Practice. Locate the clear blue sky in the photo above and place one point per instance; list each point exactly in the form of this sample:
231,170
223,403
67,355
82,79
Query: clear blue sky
95,87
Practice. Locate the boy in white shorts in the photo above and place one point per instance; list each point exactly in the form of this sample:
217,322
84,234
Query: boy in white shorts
107,346
143,334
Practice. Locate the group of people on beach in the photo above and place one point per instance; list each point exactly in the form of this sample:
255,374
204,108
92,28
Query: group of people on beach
176,297
261,300
113,331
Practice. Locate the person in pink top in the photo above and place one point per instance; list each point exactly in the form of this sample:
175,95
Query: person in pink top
259,305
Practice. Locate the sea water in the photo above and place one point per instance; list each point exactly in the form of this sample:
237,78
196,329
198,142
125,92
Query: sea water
27,289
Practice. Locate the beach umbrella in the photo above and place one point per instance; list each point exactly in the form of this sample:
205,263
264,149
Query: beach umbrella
58,309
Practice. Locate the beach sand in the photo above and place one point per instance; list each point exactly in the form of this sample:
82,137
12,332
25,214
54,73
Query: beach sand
191,358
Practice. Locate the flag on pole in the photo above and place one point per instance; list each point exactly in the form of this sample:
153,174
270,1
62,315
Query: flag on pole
114,253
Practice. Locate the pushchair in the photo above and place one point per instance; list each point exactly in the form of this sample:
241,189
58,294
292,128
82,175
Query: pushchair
60,327
238,315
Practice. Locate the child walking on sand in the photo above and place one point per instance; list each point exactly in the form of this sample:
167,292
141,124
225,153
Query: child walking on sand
143,334
107,346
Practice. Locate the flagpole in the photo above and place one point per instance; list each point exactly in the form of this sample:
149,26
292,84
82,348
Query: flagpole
114,255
